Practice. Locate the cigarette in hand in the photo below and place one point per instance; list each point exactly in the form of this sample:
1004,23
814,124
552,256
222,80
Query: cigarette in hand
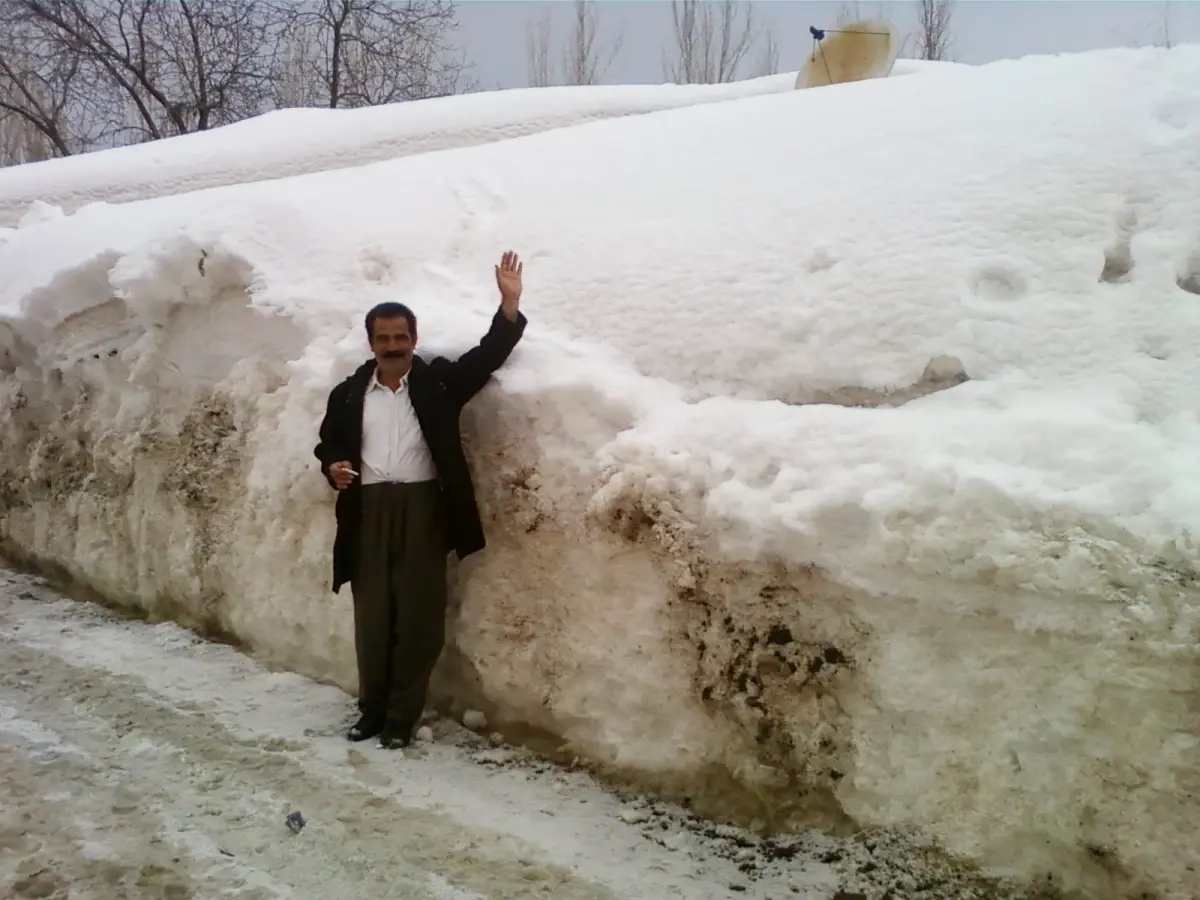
351,471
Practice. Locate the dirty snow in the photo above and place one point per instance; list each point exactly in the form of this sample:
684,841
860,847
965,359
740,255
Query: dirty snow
139,761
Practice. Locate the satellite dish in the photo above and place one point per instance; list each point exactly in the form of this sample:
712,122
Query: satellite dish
855,52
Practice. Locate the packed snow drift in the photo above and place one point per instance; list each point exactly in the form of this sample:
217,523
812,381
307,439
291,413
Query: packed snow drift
299,141
847,471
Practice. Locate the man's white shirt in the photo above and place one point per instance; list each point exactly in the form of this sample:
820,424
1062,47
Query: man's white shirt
393,447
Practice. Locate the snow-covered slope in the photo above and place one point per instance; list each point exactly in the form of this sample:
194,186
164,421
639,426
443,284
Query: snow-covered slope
298,141
847,469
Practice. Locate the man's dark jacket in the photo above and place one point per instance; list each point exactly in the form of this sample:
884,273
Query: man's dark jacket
439,389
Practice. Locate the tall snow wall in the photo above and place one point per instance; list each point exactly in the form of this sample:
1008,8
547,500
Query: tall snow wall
847,472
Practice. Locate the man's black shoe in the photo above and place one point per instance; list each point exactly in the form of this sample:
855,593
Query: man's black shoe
365,728
395,736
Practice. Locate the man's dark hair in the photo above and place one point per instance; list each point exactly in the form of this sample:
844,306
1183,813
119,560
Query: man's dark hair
391,311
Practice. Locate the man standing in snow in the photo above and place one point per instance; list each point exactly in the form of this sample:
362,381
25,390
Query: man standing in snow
390,446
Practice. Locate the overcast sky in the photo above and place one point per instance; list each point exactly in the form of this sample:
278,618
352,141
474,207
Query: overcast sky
493,32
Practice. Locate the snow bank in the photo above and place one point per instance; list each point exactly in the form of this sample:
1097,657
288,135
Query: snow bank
847,470
924,66
298,141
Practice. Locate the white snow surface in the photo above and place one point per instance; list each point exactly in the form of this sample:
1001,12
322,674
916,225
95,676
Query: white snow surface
299,141
752,536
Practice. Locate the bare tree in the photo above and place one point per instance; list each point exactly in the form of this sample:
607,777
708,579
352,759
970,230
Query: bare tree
585,57
711,40
1164,38
934,32
1159,33
586,61
79,75
293,82
768,55
368,52
127,70
537,48
22,141
36,87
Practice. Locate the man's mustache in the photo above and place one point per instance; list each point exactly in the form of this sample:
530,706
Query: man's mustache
393,354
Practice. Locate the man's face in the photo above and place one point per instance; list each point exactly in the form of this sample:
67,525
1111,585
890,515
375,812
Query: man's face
393,344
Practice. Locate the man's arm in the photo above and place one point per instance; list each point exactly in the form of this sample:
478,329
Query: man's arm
466,376
329,450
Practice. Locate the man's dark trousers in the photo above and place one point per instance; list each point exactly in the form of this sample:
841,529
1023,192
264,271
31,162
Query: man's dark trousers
399,588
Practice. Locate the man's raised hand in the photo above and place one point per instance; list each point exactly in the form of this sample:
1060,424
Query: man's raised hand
508,280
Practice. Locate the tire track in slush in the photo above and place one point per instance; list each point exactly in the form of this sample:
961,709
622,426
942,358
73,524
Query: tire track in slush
186,777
